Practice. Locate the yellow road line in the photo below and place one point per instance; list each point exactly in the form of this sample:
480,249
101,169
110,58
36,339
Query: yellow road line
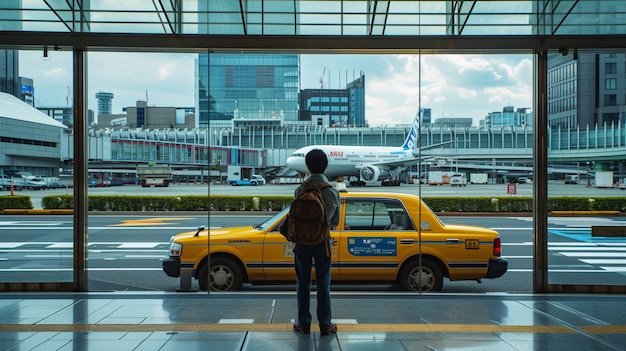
148,221
282,327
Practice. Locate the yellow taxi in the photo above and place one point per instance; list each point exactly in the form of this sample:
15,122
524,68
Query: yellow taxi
382,238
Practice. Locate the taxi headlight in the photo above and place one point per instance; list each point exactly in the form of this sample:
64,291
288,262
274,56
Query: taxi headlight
175,248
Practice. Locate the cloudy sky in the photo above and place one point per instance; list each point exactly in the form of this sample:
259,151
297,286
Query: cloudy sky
451,85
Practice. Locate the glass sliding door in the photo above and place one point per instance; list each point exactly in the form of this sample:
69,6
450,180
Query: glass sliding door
586,240
36,170
146,150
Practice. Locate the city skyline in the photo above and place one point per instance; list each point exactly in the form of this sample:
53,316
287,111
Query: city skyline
452,85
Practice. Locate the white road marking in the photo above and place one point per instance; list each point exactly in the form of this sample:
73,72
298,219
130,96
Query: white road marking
10,245
605,261
235,321
590,248
138,245
592,254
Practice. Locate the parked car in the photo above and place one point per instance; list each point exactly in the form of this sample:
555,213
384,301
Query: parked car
377,241
56,184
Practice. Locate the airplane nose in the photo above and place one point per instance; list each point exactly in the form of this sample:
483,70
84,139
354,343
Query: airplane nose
290,161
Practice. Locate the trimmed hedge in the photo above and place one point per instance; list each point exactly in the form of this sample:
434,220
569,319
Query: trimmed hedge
499,204
15,201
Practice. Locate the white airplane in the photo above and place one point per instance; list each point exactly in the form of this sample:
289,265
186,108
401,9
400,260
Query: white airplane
369,163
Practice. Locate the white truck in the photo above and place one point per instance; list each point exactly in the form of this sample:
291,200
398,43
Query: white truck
604,179
438,178
154,175
571,179
458,179
479,178
238,175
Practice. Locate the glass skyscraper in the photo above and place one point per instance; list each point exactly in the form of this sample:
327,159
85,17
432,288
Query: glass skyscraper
9,60
247,86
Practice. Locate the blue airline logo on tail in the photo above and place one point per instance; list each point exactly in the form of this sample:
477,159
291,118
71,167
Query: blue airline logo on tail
411,139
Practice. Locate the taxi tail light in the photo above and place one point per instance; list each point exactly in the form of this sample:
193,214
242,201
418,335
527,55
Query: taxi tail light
497,247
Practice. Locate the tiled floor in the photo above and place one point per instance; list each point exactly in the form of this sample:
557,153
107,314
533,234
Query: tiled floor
262,321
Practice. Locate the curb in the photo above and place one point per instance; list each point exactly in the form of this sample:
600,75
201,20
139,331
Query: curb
20,211
586,213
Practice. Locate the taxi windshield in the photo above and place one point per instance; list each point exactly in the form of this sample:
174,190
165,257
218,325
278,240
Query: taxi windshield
272,220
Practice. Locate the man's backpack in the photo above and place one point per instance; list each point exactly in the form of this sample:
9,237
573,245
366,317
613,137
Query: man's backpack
307,223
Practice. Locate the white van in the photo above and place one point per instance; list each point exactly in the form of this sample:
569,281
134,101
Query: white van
458,179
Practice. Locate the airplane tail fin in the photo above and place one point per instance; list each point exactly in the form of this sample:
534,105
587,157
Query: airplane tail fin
411,139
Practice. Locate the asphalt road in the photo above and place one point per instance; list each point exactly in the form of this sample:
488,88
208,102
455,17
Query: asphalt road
125,253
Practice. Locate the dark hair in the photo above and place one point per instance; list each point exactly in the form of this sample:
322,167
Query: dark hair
316,161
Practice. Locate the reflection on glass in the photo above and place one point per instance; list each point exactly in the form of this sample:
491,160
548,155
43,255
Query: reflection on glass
586,240
35,162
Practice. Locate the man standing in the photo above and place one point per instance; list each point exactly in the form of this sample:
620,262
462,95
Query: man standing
316,162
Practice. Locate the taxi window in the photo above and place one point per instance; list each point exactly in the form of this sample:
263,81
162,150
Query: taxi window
374,214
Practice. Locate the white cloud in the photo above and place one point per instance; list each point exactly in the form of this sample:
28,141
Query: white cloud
451,85
165,79
162,79
396,85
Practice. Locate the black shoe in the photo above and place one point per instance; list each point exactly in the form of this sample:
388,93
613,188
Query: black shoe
331,329
304,329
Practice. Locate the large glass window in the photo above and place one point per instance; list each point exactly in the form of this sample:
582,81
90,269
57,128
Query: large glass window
36,159
157,129
585,237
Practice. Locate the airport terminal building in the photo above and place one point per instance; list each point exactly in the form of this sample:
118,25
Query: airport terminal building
29,139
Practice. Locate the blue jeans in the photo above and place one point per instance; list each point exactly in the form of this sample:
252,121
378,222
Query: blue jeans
304,256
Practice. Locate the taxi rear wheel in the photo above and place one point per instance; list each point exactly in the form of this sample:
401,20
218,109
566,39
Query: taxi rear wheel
225,275
429,278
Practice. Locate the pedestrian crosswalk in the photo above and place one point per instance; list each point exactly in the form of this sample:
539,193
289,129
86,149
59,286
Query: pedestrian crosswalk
602,253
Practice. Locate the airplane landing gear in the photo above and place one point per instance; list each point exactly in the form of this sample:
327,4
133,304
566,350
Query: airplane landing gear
390,182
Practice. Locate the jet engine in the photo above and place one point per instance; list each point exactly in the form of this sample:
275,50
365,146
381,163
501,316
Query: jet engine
371,174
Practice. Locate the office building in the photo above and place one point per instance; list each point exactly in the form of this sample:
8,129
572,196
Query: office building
425,116
247,86
342,107
9,72
149,117
586,89
62,115
509,116
453,122
27,91
9,59
356,112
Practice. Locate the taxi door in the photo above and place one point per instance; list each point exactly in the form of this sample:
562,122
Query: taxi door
371,246
278,258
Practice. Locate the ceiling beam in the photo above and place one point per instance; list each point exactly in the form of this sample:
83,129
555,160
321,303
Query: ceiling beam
305,44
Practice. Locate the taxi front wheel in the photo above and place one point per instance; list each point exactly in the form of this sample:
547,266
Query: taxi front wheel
225,275
429,278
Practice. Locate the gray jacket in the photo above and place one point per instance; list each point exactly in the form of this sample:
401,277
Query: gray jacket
331,198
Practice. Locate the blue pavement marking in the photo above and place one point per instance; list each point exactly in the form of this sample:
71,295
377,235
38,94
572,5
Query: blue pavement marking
585,236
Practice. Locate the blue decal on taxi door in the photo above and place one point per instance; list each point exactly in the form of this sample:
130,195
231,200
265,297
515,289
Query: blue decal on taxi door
372,246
